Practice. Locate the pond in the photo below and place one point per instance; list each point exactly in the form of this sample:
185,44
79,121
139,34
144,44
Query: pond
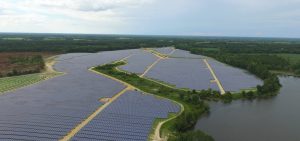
273,119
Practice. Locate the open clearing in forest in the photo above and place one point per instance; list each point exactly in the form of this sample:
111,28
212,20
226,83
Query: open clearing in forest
293,58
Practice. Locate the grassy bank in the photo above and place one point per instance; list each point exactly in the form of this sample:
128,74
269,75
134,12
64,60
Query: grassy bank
157,122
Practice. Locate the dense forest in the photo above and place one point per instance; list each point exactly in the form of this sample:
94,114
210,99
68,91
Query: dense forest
93,43
256,60
263,54
76,43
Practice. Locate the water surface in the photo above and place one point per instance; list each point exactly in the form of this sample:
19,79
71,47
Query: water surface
274,119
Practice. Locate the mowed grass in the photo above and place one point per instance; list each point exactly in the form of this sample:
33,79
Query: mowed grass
211,49
12,83
293,58
14,39
54,39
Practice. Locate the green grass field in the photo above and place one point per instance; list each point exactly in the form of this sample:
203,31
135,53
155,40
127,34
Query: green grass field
54,39
14,39
293,58
164,131
11,83
211,49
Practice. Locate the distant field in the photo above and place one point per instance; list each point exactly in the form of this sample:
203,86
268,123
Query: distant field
211,49
54,39
14,38
293,58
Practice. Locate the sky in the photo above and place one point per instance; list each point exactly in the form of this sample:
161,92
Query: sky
247,18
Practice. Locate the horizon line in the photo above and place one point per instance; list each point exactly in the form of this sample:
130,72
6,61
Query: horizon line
166,35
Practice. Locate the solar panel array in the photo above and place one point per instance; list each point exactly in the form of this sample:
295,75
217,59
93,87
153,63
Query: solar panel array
50,109
129,118
184,73
185,54
233,79
139,61
164,50
189,71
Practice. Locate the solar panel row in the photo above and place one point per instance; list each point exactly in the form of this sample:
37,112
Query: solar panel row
184,73
138,62
128,118
164,50
50,109
233,79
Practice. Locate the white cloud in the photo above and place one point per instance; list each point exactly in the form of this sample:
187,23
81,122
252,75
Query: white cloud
66,15
262,5
83,5
211,17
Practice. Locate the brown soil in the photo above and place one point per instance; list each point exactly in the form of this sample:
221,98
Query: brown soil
104,100
6,66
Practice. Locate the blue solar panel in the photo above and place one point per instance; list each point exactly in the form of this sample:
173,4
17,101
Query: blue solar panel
139,62
164,50
129,117
50,109
233,79
183,73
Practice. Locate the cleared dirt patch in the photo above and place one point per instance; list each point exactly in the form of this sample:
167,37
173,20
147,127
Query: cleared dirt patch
104,100
13,63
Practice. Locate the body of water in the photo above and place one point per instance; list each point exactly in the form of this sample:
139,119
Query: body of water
273,119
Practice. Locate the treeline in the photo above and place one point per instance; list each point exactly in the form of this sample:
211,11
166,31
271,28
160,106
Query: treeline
84,44
265,55
248,47
257,64
94,43
194,106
